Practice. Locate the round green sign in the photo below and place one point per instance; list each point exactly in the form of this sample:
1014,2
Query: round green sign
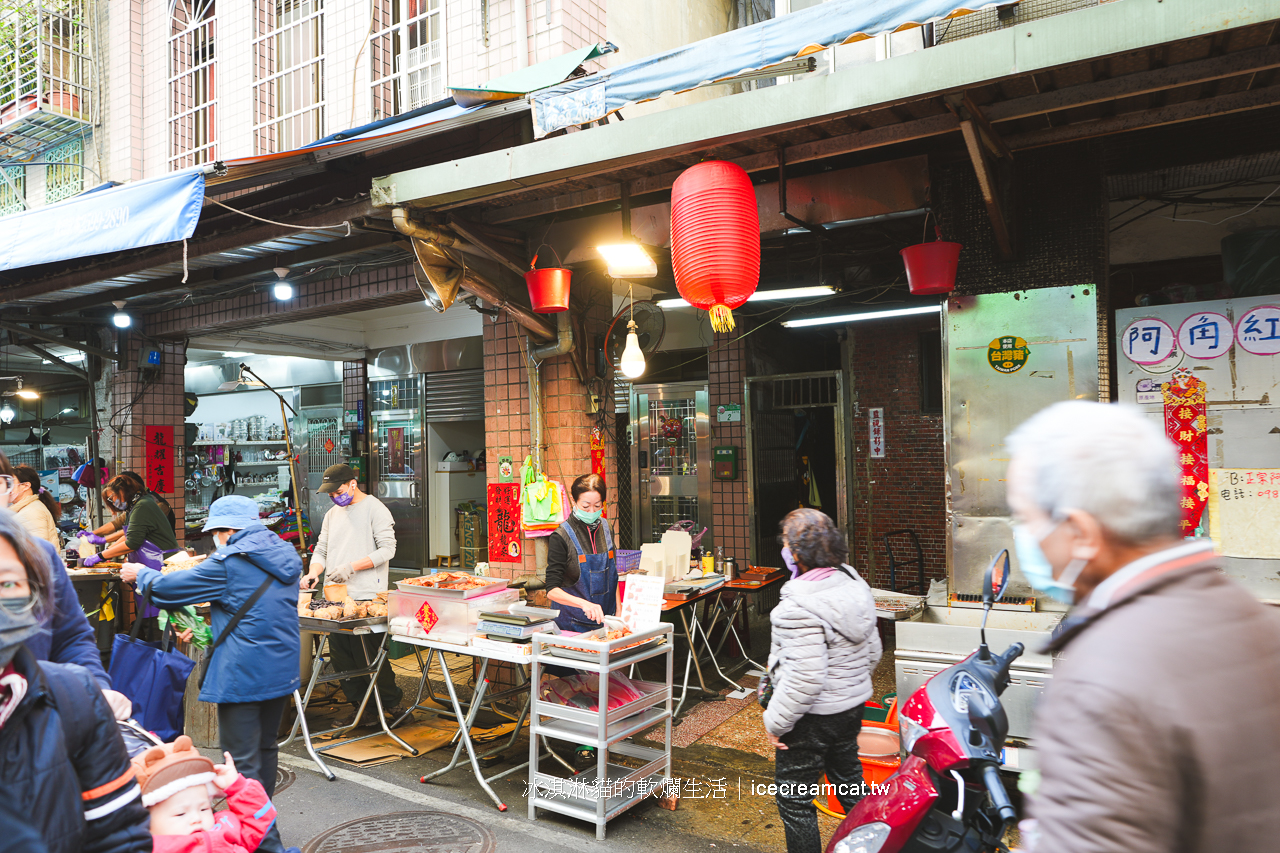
1008,354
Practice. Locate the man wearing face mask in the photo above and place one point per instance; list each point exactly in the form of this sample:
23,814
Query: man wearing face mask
356,543
254,665
1160,729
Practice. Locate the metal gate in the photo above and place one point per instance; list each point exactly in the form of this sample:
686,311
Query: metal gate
780,411
323,440
670,459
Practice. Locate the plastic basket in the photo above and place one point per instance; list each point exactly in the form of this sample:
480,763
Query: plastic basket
628,561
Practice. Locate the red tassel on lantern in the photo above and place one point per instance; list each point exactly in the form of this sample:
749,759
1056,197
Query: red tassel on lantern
715,239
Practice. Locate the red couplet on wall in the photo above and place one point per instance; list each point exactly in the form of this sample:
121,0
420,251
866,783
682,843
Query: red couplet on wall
158,447
715,239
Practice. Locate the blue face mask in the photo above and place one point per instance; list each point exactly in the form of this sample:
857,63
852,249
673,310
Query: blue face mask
790,562
1039,573
585,517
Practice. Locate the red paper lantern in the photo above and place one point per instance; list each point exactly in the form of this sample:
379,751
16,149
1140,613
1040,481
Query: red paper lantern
715,239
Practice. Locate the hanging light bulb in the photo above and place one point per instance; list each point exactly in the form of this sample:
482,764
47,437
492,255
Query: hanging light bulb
121,319
632,361
282,290
7,414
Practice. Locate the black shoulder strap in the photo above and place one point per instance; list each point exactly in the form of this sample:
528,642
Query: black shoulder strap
75,708
244,608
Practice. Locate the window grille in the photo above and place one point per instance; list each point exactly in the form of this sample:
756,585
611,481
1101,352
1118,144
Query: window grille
289,94
193,128
64,176
11,201
407,56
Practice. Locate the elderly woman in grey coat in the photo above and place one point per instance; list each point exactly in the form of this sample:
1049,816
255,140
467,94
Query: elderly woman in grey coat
823,651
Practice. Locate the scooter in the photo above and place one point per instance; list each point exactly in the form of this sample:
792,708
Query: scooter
947,795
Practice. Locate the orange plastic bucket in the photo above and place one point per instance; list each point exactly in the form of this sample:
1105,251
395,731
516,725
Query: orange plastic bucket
548,289
879,752
931,267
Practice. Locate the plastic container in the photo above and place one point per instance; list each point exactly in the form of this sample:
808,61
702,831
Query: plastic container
931,267
548,289
457,615
879,750
628,561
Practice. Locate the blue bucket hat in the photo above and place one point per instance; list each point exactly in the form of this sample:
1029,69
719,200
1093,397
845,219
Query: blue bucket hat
235,512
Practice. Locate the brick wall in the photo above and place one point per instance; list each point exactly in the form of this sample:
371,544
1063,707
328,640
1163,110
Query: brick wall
906,489
727,368
566,443
136,404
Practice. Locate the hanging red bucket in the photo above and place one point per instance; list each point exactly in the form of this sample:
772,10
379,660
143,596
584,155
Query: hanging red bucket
548,288
931,267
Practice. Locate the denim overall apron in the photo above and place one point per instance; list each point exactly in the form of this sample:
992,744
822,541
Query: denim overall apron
597,582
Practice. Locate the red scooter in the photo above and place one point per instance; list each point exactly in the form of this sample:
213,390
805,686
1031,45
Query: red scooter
947,795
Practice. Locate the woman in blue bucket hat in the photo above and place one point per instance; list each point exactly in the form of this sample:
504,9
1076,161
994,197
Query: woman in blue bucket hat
254,668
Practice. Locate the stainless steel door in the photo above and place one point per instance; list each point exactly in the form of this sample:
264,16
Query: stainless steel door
670,459
321,451
398,463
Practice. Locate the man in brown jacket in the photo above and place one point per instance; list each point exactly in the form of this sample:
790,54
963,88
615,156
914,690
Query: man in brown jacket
1160,730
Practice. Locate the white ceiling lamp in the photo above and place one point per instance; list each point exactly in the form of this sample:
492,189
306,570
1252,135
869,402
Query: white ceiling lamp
868,315
282,290
766,295
632,361
121,319
628,260
27,394
235,354
7,414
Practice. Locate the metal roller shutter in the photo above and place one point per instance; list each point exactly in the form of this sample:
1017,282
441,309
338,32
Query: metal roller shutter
455,395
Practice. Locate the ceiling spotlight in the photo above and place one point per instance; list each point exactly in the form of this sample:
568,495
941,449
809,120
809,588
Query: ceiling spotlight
282,290
27,394
628,260
7,414
121,319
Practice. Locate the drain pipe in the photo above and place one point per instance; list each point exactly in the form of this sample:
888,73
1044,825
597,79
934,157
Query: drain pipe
563,343
471,280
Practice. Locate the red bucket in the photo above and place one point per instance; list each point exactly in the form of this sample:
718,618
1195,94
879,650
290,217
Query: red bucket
931,267
548,289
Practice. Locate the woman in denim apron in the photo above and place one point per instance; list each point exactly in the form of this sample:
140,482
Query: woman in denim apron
148,537
582,572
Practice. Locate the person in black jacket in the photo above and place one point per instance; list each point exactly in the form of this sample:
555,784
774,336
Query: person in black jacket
62,760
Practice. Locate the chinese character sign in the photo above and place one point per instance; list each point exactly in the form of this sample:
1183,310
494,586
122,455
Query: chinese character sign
1148,341
875,425
504,522
1185,413
158,447
1205,335
1258,331
597,459
395,450
1008,354
1244,512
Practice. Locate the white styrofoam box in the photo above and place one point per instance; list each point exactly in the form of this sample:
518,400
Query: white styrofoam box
653,560
678,545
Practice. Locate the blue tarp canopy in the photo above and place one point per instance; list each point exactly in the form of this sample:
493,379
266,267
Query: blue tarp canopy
146,213
730,54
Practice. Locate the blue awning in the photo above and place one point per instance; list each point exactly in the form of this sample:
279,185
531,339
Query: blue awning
146,213
730,54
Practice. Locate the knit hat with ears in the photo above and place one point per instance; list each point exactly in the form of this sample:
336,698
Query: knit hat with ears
163,771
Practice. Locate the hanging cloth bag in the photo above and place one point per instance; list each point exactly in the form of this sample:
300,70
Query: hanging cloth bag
539,497
154,676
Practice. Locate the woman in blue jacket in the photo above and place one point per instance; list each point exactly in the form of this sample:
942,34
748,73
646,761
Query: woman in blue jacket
253,672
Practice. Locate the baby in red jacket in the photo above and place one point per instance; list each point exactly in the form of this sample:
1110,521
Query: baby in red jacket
177,788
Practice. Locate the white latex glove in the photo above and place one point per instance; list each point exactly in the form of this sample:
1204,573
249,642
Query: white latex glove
121,705
339,574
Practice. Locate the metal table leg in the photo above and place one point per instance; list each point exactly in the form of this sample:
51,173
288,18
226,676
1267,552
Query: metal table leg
464,732
306,738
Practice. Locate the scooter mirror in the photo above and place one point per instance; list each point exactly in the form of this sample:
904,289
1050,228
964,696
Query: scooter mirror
997,578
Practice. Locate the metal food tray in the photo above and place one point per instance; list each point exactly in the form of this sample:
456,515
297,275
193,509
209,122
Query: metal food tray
329,624
915,602
614,648
498,583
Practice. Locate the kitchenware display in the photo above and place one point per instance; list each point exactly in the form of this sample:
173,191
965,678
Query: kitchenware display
192,460
204,457
191,484
239,457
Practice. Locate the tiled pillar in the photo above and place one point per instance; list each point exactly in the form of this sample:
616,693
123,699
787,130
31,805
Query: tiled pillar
567,419
355,380
727,368
138,402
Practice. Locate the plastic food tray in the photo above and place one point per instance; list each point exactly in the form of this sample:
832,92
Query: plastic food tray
615,648
497,584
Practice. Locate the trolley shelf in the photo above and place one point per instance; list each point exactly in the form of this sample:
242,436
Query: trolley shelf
586,733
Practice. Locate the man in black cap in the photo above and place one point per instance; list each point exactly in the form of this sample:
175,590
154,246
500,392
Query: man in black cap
357,541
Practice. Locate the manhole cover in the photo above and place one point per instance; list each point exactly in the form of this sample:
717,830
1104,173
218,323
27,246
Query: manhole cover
284,778
405,832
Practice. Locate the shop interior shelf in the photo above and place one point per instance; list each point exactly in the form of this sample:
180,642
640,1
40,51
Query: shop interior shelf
272,462
653,694
231,441
587,733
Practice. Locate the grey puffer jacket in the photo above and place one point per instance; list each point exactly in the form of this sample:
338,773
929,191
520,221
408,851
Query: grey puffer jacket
824,648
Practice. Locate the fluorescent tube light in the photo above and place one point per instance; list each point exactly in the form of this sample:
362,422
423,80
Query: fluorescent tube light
854,318
765,295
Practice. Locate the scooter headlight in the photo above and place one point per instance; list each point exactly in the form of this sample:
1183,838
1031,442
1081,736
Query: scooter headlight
864,839
909,732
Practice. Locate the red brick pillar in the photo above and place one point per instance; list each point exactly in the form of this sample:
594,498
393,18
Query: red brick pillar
140,398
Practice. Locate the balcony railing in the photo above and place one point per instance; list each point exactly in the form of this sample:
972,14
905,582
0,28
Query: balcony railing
46,74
